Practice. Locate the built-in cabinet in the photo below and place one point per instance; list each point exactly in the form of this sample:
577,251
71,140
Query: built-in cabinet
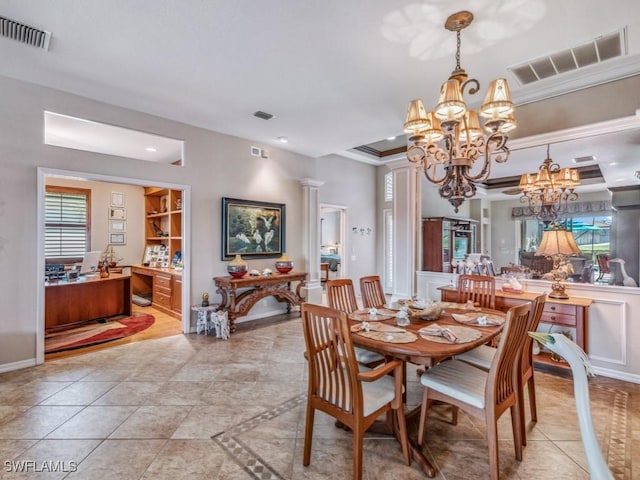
163,209
444,239
162,285
157,277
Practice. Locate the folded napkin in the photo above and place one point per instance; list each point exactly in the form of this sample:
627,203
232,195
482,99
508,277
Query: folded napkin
376,327
436,330
476,319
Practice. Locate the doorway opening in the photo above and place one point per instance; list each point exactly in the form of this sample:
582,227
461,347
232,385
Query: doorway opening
131,234
333,242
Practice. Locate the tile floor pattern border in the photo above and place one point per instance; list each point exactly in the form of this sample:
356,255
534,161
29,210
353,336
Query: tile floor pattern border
246,458
618,454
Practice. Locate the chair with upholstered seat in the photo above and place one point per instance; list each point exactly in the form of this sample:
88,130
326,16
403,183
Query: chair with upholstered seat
372,292
342,296
482,357
481,394
353,395
480,289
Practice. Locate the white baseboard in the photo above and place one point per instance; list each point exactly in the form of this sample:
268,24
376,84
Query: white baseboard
607,372
9,367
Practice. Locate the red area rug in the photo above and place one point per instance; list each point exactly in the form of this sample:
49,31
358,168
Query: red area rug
96,333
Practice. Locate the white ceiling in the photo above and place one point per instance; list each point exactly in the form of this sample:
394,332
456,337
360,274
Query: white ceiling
336,73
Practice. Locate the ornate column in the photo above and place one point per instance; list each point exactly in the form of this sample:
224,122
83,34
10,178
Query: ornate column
406,227
311,237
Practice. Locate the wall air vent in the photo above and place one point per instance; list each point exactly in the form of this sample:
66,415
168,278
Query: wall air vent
24,33
598,50
263,115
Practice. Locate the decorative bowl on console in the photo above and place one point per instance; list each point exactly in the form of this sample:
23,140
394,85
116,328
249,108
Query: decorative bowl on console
284,264
237,267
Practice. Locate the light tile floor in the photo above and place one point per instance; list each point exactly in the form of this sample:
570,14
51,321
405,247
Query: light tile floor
194,407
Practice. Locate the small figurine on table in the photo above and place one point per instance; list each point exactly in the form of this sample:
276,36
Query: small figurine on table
205,299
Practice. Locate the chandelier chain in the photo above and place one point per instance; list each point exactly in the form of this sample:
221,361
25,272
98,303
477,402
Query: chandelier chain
448,142
458,43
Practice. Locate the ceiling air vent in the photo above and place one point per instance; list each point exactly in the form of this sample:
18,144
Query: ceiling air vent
598,50
24,33
586,158
263,115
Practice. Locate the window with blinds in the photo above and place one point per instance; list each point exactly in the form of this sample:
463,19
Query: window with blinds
388,187
388,250
67,223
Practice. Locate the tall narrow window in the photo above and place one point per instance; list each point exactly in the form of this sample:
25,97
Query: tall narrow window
388,187
388,250
67,223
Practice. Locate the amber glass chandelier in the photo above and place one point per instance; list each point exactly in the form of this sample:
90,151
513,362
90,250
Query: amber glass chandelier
549,191
448,141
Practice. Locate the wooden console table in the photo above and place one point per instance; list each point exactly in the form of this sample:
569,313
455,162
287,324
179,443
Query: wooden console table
87,298
573,312
277,285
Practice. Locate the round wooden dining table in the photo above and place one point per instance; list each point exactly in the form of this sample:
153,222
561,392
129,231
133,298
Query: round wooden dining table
424,350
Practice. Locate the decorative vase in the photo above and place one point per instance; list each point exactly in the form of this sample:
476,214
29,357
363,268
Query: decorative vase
284,264
237,267
104,269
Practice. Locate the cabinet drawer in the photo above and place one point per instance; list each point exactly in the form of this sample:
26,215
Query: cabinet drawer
558,318
560,308
163,281
162,298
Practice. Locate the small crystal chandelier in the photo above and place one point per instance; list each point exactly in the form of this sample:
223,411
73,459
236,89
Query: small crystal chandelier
549,190
448,141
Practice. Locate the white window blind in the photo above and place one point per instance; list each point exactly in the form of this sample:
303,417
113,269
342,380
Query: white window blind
388,250
388,187
66,223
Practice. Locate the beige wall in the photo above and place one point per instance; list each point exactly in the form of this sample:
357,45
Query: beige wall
216,165
132,252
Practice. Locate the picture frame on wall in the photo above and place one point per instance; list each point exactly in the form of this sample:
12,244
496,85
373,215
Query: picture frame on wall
117,239
117,213
117,226
117,199
252,229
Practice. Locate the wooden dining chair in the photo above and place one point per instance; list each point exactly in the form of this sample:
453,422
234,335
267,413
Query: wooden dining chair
480,289
481,394
342,296
352,394
483,355
372,292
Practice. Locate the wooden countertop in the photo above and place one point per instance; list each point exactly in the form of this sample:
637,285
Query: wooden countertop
151,270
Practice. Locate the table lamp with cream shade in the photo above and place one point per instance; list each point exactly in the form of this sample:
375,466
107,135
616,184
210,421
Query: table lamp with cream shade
558,244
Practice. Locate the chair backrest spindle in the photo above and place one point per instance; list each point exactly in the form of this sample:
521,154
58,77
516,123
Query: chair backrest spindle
480,289
372,293
341,295
504,371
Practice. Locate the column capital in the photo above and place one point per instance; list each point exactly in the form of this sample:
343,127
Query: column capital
402,163
311,182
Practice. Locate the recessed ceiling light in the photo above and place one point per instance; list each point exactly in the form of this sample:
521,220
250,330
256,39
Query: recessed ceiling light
613,164
151,149
283,139
391,138
620,179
